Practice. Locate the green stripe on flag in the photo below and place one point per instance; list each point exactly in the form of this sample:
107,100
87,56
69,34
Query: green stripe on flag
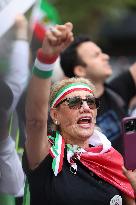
50,11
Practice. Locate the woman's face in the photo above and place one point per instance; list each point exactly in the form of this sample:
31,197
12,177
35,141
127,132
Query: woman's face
77,124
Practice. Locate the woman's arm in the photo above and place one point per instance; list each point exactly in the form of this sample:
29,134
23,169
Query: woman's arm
37,145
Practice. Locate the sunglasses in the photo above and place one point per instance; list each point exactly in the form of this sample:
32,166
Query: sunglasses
77,102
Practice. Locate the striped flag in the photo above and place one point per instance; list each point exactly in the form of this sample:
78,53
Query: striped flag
44,15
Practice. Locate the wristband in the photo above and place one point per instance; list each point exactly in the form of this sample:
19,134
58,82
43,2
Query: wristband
44,65
44,58
43,70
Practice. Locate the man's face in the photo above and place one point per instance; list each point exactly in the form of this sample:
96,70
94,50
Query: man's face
97,63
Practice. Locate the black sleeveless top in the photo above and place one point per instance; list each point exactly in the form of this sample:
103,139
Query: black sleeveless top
82,188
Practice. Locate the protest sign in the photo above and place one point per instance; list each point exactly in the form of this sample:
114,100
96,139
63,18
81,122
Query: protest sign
8,11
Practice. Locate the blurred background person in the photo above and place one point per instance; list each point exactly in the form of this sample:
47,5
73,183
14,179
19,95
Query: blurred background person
12,176
15,80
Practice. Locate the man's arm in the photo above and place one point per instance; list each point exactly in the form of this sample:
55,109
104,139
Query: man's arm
17,77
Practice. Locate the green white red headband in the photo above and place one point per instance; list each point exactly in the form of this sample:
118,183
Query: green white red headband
68,89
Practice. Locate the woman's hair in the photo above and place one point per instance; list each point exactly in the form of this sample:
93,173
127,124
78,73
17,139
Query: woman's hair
60,84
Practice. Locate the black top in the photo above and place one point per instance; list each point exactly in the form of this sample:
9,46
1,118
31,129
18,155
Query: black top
82,188
111,111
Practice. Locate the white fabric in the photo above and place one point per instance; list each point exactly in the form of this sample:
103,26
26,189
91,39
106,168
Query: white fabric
43,66
58,73
96,139
18,75
99,138
11,173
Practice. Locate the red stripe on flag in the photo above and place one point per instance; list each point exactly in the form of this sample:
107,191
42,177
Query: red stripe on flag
39,31
69,91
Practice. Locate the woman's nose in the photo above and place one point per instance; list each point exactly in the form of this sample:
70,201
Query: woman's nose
85,106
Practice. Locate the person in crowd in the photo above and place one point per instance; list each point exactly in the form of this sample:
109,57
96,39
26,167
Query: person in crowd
76,164
83,58
19,72
12,175
11,172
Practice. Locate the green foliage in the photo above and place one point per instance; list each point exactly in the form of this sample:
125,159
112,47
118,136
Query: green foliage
87,15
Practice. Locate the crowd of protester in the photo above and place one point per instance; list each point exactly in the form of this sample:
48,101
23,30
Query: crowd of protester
76,70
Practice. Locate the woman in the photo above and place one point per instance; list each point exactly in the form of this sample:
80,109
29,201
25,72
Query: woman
76,165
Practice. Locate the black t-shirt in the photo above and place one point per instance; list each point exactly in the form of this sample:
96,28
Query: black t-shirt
111,112
82,188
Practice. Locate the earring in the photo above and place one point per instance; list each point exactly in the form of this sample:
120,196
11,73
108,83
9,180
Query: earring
56,122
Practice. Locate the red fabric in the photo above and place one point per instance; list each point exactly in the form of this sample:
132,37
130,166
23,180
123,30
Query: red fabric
69,91
44,58
108,166
39,31
135,194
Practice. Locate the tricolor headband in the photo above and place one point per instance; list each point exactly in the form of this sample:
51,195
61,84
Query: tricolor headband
68,89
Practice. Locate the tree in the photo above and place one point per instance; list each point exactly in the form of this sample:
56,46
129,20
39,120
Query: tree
88,15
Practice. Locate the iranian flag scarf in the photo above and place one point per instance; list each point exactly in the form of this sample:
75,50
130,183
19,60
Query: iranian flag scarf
102,159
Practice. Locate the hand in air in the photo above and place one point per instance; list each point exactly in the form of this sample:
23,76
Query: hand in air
57,39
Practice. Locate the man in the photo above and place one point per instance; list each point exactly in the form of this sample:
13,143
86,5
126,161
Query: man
83,58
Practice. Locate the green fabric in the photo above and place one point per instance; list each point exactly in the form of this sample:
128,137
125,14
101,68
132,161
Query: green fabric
50,11
42,74
26,198
7,199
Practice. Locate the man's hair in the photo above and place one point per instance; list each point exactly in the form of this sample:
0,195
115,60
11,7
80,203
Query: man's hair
69,57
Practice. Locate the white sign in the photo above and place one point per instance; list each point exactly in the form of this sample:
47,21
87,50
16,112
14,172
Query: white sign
8,11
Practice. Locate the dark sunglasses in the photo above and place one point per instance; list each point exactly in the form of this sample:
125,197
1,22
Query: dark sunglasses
77,102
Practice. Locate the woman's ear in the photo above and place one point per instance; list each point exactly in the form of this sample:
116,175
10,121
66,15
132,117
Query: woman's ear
80,71
54,115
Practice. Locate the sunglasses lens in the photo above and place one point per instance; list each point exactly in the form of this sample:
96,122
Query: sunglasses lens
93,103
75,102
